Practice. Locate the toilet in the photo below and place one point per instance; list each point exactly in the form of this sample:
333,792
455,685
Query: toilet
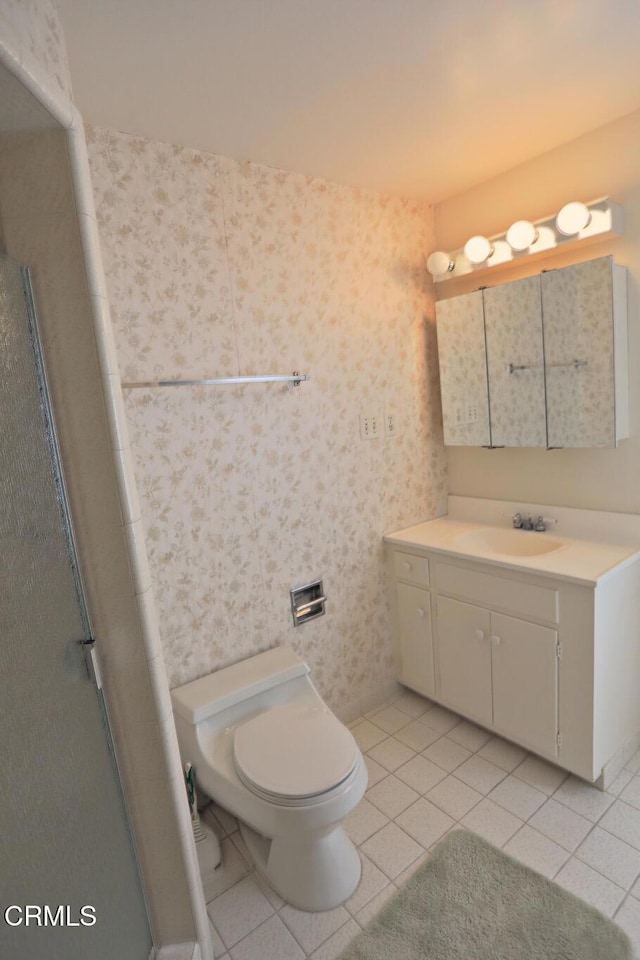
268,749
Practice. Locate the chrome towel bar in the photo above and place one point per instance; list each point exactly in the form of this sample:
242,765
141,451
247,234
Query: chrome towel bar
295,378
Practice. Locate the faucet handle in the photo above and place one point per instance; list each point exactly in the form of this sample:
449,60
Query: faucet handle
517,521
540,525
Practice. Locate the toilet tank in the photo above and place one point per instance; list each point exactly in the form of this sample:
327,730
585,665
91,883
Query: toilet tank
201,699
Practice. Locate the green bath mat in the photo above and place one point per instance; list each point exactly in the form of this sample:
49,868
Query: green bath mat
470,901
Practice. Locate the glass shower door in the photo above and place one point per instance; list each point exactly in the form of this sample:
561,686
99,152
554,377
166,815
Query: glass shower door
69,885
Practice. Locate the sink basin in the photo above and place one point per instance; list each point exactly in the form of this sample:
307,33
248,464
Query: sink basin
511,543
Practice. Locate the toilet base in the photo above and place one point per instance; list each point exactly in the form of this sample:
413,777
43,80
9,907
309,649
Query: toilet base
312,872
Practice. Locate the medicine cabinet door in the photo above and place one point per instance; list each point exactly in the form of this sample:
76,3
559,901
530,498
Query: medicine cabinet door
513,323
579,354
463,371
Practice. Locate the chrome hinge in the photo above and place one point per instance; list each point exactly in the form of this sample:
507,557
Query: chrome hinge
559,650
558,740
92,662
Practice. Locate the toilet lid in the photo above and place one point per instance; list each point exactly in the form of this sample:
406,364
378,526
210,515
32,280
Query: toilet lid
294,751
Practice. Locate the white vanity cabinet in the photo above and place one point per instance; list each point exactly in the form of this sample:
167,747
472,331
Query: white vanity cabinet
501,671
413,619
552,664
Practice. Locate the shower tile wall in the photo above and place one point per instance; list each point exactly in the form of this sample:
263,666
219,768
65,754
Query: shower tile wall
31,31
217,268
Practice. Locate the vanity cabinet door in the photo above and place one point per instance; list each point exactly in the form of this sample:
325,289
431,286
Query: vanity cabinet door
463,371
500,671
464,658
579,335
525,682
513,323
414,638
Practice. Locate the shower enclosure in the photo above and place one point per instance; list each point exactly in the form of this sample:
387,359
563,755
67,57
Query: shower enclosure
69,885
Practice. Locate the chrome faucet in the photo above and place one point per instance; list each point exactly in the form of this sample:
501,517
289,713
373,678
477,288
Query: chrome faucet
528,523
522,523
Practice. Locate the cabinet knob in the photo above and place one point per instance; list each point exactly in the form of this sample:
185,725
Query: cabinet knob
420,611
479,634
496,641
406,565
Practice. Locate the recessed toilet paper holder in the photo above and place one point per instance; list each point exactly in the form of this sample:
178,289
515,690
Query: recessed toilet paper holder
307,602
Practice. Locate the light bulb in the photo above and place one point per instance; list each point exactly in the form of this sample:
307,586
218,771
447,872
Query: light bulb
439,263
573,218
477,250
521,235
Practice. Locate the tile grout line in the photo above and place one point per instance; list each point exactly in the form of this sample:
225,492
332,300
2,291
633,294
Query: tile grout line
570,853
391,886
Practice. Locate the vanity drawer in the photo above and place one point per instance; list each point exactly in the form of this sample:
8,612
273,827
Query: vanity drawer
512,596
409,567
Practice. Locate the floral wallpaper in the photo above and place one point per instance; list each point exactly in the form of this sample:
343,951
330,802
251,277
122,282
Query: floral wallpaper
218,268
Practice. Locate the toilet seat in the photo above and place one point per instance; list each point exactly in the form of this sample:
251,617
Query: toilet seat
291,755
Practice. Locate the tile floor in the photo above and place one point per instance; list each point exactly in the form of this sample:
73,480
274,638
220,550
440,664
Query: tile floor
429,771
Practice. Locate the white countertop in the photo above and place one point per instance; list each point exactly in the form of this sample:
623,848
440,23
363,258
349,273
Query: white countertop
580,561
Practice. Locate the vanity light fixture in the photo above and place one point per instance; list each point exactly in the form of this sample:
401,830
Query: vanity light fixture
439,263
576,223
478,249
573,218
521,235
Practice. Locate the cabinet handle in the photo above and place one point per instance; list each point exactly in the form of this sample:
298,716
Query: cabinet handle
496,641
406,565
420,611
479,634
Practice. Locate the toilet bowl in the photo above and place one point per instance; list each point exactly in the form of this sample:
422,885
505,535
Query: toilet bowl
268,749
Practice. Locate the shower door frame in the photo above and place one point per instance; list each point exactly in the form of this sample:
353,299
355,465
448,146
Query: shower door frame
110,540
89,730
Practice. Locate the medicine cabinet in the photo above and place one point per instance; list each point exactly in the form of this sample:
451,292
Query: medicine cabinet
538,362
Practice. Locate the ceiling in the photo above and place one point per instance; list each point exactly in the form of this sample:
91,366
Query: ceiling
411,97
